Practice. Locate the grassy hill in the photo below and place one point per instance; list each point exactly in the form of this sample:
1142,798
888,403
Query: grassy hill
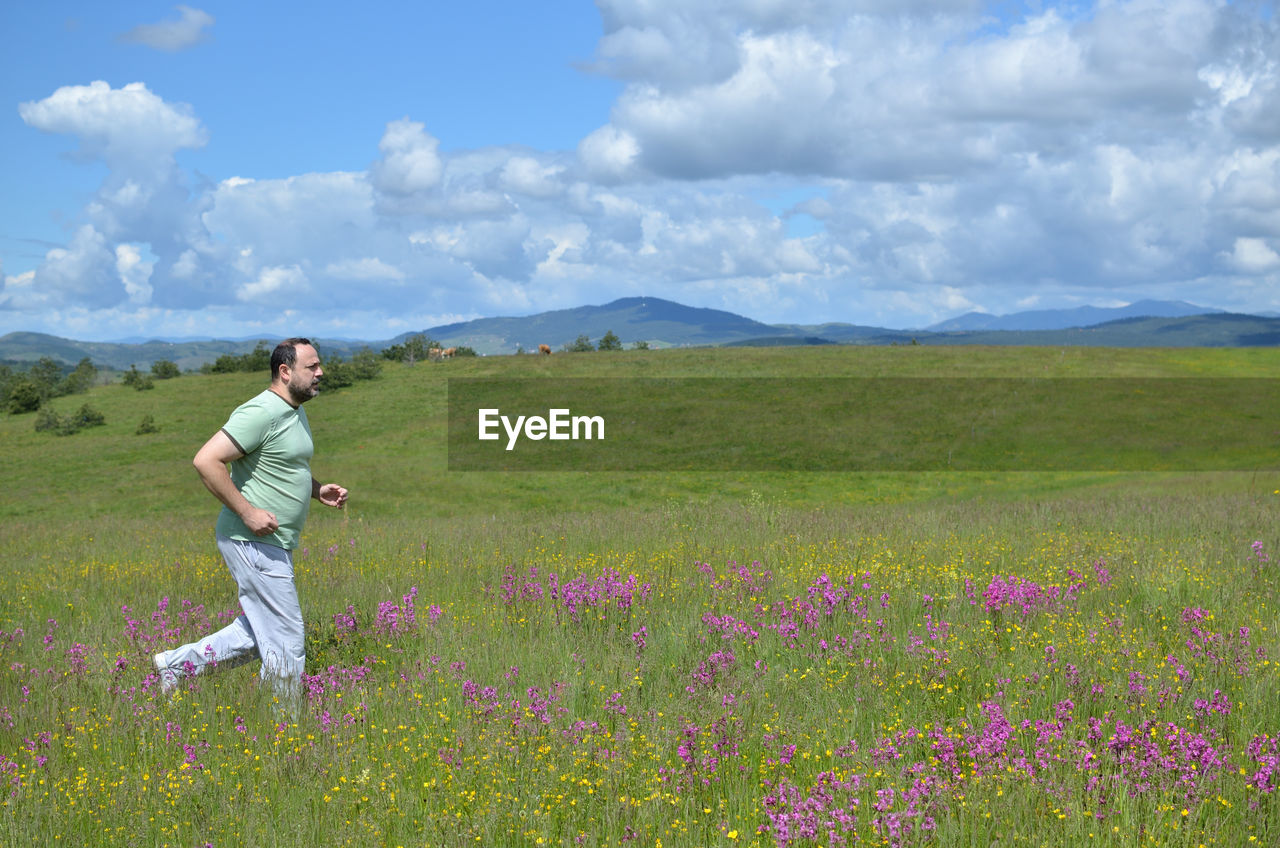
386,439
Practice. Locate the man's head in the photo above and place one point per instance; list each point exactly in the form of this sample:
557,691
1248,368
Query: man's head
295,370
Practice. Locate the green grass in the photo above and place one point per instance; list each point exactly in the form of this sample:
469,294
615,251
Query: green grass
394,747
385,439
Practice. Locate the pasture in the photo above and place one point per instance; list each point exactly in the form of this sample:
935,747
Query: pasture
641,659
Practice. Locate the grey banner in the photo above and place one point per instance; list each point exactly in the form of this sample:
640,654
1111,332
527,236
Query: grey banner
864,424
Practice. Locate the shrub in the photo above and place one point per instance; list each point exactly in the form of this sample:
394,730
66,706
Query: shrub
47,375
163,369
135,378
365,364
464,351
48,421
609,341
411,350
87,416
337,374
24,396
147,425
640,344
80,380
581,344
259,359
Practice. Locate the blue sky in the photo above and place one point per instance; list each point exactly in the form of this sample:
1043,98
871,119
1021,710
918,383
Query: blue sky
330,170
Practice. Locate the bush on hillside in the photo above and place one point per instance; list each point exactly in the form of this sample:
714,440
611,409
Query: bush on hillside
337,374
147,425
80,380
24,396
609,341
582,344
258,359
48,421
411,350
137,380
163,369
365,364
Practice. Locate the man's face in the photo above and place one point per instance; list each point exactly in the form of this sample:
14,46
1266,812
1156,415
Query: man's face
304,376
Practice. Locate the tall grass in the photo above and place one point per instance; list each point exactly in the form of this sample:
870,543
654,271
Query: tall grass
736,674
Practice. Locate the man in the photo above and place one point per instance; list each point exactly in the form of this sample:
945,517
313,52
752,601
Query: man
265,496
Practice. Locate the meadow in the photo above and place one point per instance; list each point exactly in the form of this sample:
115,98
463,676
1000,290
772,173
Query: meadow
694,658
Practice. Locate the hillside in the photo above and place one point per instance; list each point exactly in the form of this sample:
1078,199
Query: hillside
1062,319
387,439
663,323
660,323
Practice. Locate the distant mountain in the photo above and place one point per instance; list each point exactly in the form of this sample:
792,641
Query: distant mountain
844,333
19,348
660,323
1062,319
663,323
1214,330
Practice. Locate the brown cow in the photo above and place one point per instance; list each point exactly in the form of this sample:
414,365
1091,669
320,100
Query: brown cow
544,349
448,352
434,354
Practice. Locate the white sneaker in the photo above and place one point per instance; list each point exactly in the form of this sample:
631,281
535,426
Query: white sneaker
168,679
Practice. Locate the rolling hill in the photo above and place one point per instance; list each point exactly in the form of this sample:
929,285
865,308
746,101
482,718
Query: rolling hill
663,323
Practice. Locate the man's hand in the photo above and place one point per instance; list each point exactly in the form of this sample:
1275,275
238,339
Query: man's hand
331,494
260,521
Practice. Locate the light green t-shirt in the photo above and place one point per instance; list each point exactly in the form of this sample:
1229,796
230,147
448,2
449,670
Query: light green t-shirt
275,472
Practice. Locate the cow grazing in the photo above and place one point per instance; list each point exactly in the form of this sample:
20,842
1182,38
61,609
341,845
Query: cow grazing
448,352
544,349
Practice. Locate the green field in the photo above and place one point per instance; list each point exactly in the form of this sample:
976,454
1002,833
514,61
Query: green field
599,658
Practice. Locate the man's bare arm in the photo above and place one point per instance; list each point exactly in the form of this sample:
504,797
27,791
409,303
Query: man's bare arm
211,463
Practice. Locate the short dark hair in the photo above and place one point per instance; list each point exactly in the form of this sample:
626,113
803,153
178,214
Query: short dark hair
286,353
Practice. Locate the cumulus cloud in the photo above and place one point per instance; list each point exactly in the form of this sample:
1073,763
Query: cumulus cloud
172,36
134,272
410,161
83,273
125,126
1253,256
283,286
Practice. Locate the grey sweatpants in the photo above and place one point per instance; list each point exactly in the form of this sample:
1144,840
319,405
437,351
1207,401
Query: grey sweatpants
270,627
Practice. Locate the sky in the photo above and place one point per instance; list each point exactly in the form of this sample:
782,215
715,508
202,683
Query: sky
364,170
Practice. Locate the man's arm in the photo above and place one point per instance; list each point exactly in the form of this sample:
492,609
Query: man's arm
329,494
211,463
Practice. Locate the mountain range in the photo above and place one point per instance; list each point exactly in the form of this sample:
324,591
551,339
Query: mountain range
664,323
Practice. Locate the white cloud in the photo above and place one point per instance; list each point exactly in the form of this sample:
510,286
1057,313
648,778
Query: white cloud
83,273
172,36
18,292
1254,256
283,286
127,126
134,273
609,154
526,175
285,221
366,268
410,160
